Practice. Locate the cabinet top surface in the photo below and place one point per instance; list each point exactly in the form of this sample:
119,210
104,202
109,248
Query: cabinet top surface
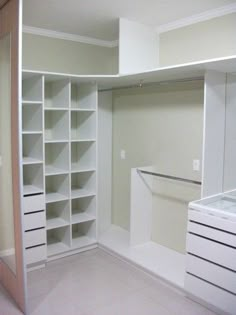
177,72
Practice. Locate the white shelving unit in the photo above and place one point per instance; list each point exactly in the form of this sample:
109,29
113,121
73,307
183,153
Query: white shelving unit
59,130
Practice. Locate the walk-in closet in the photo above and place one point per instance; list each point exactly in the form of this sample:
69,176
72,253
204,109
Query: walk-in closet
123,168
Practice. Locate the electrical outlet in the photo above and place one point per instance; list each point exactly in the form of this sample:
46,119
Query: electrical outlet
122,154
196,165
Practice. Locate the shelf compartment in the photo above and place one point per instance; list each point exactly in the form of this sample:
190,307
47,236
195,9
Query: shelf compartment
57,188
32,118
58,240
33,179
83,184
83,209
56,158
56,125
32,89
83,96
58,214
32,148
57,94
28,160
83,125
83,156
83,234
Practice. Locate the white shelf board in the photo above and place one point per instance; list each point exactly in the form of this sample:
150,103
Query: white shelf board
56,109
31,132
82,217
54,248
53,223
56,141
28,102
31,189
81,193
29,160
83,140
82,241
151,257
74,109
54,197
75,169
51,170
174,72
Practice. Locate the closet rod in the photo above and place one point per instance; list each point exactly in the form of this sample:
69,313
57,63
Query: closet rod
190,181
150,84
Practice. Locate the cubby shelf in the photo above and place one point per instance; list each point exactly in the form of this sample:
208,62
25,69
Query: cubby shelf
81,193
82,217
28,160
59,131
56,223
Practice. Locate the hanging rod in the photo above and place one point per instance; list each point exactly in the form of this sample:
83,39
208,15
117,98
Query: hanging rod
190,181
141,84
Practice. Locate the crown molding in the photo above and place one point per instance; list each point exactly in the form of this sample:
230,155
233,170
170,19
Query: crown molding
207,15
71,37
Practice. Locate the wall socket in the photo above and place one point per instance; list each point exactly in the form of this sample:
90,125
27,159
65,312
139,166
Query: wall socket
122,154
196,165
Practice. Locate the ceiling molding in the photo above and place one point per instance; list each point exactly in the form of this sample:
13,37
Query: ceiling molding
67,36
207,15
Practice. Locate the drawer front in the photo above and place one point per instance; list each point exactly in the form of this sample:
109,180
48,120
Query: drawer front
211,220
34,220
33,238
211,294
212,233
212,251
34,203
35,255
215,274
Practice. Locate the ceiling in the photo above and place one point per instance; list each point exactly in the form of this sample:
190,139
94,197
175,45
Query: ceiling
99,18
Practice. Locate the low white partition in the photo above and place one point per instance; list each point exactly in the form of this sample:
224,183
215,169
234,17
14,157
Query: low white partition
140,207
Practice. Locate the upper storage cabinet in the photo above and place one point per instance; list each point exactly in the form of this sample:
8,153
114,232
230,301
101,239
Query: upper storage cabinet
83,97
32,88
57,94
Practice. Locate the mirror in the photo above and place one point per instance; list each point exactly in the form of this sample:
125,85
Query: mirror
7,240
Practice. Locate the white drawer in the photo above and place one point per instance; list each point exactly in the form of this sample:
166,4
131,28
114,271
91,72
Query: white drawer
215,252
33,238
211,220
35,254
212,233
222,277
211,294
33,203
34,220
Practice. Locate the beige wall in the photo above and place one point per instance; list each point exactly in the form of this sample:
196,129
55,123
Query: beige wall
158,126
57,55
210,39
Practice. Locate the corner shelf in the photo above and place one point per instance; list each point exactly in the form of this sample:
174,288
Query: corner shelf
83,209
83,234
58,214
58,240
56,125
56,158
57,188
83,96
57,94
83,125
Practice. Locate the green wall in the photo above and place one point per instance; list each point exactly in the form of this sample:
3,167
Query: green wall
57,55
159,126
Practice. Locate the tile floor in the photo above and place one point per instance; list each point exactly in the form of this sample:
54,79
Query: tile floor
95,283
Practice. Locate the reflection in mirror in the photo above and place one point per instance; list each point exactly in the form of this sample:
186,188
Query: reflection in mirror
7,241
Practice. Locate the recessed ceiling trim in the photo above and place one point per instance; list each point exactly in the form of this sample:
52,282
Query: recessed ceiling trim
207,15
66,36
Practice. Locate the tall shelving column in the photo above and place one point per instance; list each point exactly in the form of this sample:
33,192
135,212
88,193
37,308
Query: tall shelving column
83,142
33,169
57,165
